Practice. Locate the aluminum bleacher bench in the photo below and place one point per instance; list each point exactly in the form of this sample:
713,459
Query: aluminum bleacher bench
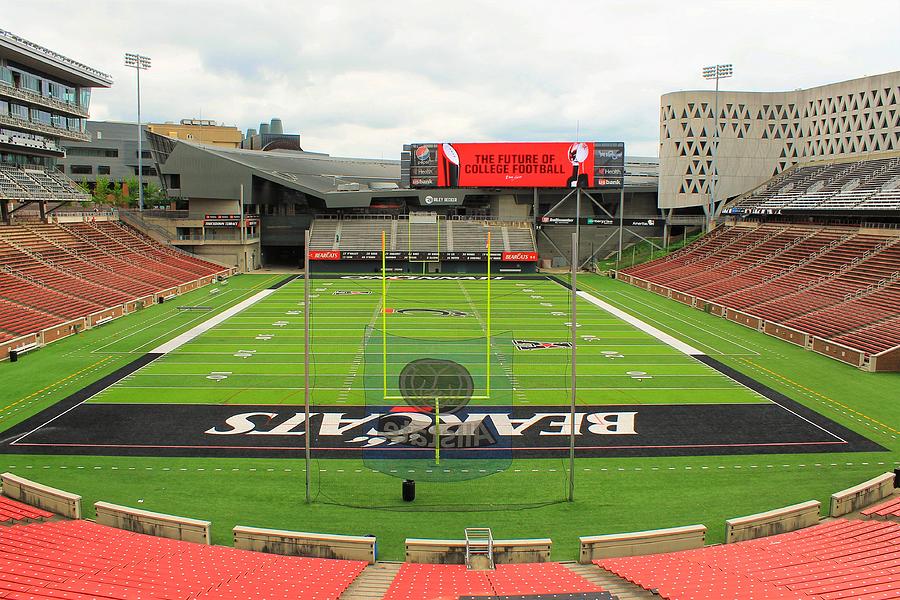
15,353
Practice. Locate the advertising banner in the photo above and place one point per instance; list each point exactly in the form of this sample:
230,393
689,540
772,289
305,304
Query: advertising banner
324,255
602,221
427,256
517,165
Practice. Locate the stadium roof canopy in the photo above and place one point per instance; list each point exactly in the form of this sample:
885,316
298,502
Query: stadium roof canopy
31,55
216,172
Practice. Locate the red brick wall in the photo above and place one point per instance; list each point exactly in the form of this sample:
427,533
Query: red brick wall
786,333
837,351
60,331
743,318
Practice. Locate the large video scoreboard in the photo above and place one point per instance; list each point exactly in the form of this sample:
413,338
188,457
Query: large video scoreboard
597,165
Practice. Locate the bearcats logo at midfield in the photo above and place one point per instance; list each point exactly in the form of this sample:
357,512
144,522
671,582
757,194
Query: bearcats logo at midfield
532,345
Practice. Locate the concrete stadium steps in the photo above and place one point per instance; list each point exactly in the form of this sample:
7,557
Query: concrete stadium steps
373,582
621,589
455,235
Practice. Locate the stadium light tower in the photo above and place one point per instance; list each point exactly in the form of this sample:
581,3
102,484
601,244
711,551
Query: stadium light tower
716,72
139,63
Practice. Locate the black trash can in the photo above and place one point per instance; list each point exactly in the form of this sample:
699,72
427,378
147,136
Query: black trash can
896,478
409,490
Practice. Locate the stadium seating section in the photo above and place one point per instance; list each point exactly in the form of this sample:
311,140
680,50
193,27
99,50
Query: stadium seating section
835,560
80,560
862,185
10,510
426,582
403,236
836,283
37,184
51,274
889,510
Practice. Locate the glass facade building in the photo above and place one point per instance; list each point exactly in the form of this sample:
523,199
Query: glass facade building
44,101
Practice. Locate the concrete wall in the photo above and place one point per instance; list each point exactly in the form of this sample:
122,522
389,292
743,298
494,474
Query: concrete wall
763,133
151,523
453,552
641,542
780,520
296,543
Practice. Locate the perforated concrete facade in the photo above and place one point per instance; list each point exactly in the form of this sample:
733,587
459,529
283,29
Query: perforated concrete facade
763,133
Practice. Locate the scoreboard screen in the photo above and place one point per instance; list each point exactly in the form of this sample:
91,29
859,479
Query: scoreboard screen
597,165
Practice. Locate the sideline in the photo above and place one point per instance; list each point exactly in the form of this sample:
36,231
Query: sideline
645,327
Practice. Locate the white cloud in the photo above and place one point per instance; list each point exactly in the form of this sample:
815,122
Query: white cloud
360,78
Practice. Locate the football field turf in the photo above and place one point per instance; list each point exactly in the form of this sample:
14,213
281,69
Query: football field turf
237,362
613,493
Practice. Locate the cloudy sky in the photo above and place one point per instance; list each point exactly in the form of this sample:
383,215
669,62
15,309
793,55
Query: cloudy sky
360,78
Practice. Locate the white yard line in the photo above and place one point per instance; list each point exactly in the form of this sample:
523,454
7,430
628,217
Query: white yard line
645,327
205,326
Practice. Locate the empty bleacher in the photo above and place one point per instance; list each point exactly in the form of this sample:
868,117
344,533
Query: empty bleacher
448,235
832,561
34,183
360,234
13,511
889,510
52,274
433,582
81,560
862,185
836,283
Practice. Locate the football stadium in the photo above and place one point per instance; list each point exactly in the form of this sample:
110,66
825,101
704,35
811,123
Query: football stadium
235,368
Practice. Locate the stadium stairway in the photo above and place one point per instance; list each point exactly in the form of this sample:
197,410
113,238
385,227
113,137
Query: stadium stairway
373,582
439,582
620,588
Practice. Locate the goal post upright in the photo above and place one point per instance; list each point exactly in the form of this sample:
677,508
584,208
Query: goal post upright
488,341
384,311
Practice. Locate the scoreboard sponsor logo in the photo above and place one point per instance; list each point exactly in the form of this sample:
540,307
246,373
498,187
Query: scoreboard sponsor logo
429,200
423,154
558,220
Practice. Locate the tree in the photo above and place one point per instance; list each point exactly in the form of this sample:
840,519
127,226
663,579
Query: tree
117,194
131,184
155,196
101,190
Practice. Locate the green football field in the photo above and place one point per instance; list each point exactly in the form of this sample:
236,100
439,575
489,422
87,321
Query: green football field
526,500
348,362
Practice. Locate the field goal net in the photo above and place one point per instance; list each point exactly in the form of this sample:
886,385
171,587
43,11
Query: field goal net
435,398
424,238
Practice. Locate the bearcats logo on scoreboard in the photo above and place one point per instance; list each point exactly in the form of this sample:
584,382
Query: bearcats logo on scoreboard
532,345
